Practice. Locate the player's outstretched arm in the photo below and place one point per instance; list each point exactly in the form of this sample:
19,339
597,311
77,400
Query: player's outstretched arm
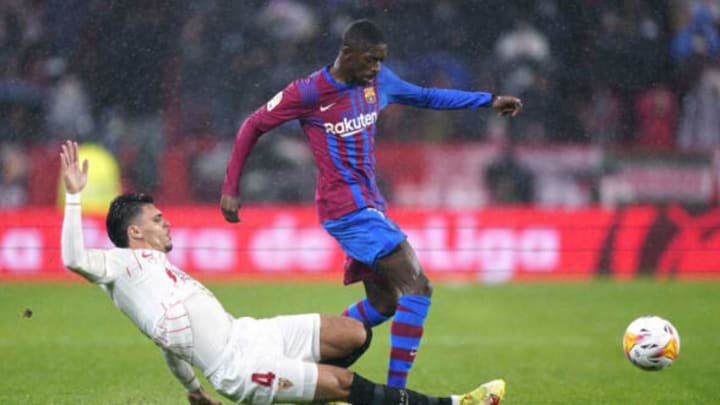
90,264
183,371
507,105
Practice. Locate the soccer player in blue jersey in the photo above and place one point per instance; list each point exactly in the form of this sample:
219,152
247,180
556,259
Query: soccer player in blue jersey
338,107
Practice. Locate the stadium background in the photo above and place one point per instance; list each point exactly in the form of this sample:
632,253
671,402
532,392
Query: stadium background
612,167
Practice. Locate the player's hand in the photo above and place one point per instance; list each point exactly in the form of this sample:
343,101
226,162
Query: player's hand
507,105
230,206
74,178
201,397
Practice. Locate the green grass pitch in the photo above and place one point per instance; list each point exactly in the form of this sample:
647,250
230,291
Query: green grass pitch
553,343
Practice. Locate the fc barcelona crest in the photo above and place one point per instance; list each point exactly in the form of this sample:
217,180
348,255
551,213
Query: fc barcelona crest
369,94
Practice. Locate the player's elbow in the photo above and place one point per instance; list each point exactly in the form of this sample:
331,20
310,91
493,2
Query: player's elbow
72,265
252,126
71,261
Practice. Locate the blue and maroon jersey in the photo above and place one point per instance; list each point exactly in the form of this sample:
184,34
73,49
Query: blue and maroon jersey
339,121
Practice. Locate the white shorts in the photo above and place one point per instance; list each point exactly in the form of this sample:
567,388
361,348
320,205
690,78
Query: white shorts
270,360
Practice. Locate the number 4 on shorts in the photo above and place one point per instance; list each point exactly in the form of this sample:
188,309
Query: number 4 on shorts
264,379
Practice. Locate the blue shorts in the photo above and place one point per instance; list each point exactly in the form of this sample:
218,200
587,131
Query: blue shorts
365,235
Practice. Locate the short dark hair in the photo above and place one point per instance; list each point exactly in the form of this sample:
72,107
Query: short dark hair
123,209
362,34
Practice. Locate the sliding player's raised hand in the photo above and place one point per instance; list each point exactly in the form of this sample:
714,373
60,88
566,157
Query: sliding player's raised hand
74,177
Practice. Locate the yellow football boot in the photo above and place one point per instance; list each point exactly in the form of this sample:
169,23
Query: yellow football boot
489,393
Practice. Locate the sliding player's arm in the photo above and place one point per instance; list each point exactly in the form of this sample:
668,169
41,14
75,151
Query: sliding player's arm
91,264
185,374
402,92
182,370
285,106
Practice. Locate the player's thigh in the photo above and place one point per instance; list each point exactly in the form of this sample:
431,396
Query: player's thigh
299,335
340,336
257,377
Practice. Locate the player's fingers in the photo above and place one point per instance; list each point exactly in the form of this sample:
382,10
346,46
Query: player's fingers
512,109
64,153
67,147
85,166
230,215
67,163
74,148
75,152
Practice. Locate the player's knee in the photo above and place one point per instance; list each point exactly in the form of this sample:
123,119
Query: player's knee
419,286
361,342
365,337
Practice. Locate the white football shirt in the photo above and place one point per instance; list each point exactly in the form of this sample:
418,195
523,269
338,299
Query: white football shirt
173,309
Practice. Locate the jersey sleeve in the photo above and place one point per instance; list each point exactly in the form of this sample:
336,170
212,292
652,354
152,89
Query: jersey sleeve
399,91
91,264
284,106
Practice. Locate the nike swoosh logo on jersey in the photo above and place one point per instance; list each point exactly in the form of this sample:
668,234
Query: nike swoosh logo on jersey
324,108
346,134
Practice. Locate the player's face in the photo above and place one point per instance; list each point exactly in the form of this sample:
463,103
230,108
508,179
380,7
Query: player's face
153,229
364,64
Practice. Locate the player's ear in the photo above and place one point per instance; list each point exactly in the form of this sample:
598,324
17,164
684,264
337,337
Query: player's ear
134,232
346,52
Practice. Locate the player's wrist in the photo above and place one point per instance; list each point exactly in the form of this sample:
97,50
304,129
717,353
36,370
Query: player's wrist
72,198
193,385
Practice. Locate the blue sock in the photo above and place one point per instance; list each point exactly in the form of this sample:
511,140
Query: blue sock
364,312
405,334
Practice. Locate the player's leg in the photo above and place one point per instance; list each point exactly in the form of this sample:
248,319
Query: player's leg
381,299
381,302
405,274
372,239
277,364
262,378
327,339
275,359
342,340
382,296
338,384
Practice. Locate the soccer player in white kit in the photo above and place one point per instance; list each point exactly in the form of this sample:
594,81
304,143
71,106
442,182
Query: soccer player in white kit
297,358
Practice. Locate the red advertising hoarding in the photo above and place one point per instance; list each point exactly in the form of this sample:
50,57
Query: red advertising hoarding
492,245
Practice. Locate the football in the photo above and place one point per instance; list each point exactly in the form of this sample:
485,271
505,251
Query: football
651,343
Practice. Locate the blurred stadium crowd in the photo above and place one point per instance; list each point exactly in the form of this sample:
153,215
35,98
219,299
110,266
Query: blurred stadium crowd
147,78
